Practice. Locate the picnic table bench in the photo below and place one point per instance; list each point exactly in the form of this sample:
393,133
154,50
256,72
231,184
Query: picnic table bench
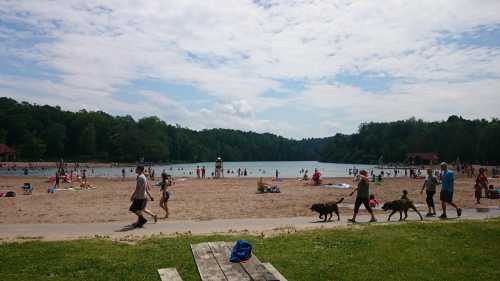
212,261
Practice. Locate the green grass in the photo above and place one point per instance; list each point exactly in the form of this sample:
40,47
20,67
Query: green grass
409,251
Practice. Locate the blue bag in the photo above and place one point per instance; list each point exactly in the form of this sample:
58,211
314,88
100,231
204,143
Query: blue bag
242,251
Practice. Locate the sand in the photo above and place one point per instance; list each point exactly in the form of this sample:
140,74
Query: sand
195,199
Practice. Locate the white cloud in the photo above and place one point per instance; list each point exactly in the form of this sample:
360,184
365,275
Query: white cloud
429,101
234,51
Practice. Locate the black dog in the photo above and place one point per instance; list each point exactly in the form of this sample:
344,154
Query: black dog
401,205
325,209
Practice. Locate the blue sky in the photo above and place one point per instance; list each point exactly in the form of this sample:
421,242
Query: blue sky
295,68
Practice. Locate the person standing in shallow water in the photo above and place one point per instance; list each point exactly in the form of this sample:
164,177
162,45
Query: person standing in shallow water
447,185
362,196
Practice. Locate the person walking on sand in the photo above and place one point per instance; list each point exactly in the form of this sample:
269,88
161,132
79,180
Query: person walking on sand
482,181
362,196
166,181
139,197
430,184
446,196
123,174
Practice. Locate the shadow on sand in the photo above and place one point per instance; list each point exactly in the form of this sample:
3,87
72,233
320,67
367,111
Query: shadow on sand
126,228
321,221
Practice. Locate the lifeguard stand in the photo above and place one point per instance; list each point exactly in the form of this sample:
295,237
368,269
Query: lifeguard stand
219,169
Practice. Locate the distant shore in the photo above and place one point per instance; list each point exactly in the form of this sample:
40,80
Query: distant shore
47,164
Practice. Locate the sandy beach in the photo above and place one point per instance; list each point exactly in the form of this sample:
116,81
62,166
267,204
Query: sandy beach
199,199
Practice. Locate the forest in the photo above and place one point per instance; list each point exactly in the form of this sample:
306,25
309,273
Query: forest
471,141
42,132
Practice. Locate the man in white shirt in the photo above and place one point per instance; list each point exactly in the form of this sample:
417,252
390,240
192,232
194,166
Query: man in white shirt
139,197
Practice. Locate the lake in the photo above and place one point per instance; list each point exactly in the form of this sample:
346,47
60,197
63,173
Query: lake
286,169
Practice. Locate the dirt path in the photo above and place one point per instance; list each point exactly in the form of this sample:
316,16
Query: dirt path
116,230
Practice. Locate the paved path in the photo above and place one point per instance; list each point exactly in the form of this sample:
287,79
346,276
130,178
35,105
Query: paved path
120,230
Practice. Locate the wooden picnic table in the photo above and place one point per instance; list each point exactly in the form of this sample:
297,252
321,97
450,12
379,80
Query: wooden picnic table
212,260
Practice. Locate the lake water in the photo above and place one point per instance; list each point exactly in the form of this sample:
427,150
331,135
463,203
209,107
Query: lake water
286,169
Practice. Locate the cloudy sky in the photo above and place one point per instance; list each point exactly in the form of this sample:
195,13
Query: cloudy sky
294,68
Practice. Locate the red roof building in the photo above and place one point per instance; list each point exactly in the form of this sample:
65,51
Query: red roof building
7,153
419,157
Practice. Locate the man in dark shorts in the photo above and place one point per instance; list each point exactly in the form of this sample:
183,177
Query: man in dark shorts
139,197
446,196
362,197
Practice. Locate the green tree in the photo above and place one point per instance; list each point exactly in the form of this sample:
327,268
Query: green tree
33,149
87,141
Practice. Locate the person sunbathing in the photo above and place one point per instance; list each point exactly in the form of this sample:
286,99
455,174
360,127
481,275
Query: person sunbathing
263,187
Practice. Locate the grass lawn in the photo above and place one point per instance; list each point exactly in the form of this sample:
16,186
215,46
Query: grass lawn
409,251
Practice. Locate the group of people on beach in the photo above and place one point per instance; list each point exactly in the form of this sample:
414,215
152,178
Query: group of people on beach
431,182
445,178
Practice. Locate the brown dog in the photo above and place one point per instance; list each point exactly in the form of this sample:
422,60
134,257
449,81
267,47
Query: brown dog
401,206
325,209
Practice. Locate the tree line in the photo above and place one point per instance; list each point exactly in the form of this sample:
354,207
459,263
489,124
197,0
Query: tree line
42,132
472,141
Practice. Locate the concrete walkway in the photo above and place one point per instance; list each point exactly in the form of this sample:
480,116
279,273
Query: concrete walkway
114,230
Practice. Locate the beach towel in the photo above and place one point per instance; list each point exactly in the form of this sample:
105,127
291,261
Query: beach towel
336,185
242,251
